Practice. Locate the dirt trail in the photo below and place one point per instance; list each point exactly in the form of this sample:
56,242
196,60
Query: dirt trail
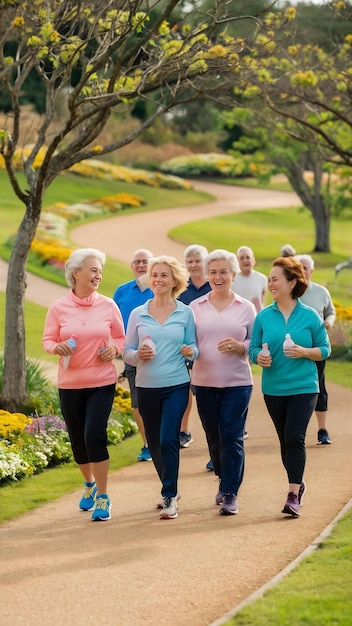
135,570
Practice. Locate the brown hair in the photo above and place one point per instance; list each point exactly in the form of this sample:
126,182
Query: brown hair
293,270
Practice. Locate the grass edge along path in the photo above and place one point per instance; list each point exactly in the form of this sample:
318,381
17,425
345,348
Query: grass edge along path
314,589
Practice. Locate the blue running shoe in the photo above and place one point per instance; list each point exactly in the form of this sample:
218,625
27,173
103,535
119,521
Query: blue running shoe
144,455
88,499
209,466
102,508
323,437
185,439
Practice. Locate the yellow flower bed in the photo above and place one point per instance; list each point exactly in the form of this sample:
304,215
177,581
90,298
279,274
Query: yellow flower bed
12,423
122,401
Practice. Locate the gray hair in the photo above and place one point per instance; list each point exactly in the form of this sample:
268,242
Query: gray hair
307,258
148,255
195,249
77,259
287,250
245,249
230,257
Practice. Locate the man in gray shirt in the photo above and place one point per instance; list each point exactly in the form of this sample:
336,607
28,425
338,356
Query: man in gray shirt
319,298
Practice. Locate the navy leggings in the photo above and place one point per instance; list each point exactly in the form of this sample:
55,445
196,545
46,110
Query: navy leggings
291,415
86,413
162,409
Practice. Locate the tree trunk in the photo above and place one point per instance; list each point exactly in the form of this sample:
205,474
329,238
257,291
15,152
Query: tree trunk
14,390
312,198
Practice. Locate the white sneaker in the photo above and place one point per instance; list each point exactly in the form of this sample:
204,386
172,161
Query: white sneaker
169,510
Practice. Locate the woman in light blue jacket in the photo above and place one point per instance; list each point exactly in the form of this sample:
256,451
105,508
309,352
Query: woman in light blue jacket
289,379
162,378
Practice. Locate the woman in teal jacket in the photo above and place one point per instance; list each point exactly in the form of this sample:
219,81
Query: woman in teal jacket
289,379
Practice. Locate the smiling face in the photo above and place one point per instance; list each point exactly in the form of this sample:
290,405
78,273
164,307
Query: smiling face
279,286
161,279
88,277
139,264
220,276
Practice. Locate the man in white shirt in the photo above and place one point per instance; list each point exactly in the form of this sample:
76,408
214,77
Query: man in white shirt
249,283
319,298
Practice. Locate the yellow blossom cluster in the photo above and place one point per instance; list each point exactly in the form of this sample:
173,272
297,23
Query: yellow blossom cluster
12,423
122,400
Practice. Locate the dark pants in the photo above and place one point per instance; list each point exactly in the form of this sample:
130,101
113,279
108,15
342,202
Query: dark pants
223,414
86,413
322,402
162,409
291,415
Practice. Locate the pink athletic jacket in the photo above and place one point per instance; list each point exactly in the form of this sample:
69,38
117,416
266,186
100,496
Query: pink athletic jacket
96,321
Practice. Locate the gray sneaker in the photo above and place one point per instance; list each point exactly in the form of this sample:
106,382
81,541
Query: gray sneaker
219,496
229,505
169,510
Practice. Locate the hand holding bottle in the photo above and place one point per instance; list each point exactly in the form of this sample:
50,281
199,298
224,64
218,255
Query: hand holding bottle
264,356
287,345
71,342
147,350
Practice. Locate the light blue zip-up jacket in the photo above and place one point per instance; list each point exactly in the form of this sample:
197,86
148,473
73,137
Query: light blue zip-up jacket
285,376
168,366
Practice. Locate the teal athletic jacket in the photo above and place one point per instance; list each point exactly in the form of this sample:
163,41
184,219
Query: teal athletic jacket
287,376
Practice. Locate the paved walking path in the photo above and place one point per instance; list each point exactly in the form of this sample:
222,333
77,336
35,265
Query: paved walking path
135,570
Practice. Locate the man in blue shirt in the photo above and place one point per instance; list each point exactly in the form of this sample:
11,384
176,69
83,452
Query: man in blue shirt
127,297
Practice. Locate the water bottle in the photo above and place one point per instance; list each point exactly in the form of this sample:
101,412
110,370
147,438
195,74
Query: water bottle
265,350
288,343
71,342
148,341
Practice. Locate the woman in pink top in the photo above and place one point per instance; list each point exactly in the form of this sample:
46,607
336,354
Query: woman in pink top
221,375
87,375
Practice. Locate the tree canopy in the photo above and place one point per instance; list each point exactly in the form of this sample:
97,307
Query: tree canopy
93,59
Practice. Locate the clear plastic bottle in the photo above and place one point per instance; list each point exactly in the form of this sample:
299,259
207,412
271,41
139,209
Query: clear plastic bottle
71,342
265,350
150,343
288,343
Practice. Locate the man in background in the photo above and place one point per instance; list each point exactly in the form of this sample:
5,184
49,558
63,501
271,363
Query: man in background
249,283
319,298
127,297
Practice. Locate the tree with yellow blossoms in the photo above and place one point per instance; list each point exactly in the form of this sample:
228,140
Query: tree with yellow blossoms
296,107
94,59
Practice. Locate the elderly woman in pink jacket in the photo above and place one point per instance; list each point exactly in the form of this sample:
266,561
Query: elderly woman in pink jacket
221,375
87,375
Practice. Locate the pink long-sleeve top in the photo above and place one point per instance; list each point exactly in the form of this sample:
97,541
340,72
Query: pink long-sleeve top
97,322
222,369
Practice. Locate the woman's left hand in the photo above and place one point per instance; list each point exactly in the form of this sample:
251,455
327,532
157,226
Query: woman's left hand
108,354
231,345
187,351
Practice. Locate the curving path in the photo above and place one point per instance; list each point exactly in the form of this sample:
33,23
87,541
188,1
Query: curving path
136,570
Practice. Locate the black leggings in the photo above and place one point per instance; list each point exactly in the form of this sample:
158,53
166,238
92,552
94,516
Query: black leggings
86,413
291,415
322,402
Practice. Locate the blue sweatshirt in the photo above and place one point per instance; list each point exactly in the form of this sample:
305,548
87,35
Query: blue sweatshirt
285,376
168,367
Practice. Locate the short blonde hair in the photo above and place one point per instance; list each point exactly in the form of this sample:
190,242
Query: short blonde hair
77,259
179,272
